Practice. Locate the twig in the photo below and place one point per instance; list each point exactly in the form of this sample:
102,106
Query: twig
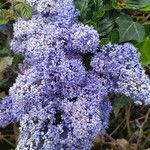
127,118
16,131
114,131
132,137
147,140
109,137
141,126
7,141
10,143
146,118
141,118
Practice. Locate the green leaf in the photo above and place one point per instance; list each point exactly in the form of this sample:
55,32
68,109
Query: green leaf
115,4
105,26
147,30
130,30
98,3
144,49
3,19
26,12
4,51
108,6
104,41
24,9
143,5
5,62
17,60
97,15
2,82
82,5
114,36
147,8
119,102
4,47
2,2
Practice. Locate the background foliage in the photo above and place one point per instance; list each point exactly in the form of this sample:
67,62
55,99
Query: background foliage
116,21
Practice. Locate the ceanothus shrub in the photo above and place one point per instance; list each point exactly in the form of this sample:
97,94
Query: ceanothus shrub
59,103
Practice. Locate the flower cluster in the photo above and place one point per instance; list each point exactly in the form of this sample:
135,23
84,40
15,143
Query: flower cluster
59,104
121,66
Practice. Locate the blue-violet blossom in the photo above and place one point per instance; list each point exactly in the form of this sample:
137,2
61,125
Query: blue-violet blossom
59,104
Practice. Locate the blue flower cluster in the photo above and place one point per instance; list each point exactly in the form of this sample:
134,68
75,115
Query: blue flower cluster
120,65
59,104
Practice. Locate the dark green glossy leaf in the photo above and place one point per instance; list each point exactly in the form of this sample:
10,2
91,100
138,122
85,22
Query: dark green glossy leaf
114,36
130,30
119,102
105,26
147,30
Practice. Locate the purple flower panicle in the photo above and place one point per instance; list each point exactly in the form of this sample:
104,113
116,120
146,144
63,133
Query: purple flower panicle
59,104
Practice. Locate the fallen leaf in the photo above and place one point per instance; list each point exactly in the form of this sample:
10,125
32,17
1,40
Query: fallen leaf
1,76
123,144
2,94
5,62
